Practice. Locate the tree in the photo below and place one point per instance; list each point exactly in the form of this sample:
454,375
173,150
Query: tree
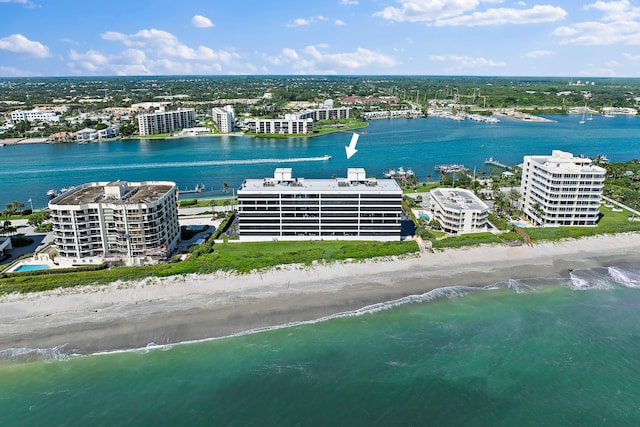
37,218
514,196
225,188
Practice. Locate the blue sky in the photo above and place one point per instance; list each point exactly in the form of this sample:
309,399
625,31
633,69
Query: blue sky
570,38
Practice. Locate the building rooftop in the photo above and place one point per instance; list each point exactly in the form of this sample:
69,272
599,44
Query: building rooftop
458,199
567,162
115,192
356,180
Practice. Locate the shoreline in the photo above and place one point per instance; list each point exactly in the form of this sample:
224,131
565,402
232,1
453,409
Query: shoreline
132,315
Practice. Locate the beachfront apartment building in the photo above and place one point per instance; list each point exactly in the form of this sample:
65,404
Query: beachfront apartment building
34,116
132,223
281,126
223,118
458,211
561,190
166,121
351,208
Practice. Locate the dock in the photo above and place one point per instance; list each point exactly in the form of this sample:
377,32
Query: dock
494,162
451,168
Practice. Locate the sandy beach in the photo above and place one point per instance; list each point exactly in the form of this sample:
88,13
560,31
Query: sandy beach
169,310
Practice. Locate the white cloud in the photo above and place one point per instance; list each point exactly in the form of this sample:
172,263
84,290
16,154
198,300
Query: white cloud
463,12
616,10
349,2
290,54
17,43
166,45
600,33
300,22
200,21
631,57
468,62
340,22
314,60
128,62
539,53
427,10
13,72
502,16
152,52
618,25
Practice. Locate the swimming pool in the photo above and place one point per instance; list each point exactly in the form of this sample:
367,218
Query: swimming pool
424,216
31,267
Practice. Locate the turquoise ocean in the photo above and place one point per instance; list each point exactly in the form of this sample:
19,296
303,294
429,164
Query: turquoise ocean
544,352
554,351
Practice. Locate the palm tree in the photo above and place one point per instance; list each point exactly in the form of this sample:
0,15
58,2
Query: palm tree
225,188
428,178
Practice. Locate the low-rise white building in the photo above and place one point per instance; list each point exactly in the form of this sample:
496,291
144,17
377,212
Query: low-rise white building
281,126
126,222
351,208
459,211
327,113
34,116
561,189
89,134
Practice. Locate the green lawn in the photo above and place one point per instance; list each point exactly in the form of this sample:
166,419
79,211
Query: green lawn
611,222
239,257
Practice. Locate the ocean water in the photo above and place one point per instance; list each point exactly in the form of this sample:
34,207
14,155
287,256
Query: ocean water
557,351
29,171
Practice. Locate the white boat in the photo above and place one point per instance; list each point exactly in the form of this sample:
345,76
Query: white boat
326,157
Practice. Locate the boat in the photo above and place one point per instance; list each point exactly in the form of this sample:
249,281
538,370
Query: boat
400,173
326,157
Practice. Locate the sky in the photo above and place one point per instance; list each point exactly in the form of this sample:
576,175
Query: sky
568,38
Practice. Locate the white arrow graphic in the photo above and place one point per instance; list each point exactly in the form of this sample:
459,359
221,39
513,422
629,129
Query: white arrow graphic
351,148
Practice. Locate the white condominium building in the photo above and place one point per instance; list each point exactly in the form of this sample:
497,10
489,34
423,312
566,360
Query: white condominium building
224,118
166,121
281,126
129,222
323,114
561,189
34,116
459,211
351,208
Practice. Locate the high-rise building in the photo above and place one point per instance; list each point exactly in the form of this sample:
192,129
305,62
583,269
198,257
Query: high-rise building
224,118
166,121
351,208
561,189
128,222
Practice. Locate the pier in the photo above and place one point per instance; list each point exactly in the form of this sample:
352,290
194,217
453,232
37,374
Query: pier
494,162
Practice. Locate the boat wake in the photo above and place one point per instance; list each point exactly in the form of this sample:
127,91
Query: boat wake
203,163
